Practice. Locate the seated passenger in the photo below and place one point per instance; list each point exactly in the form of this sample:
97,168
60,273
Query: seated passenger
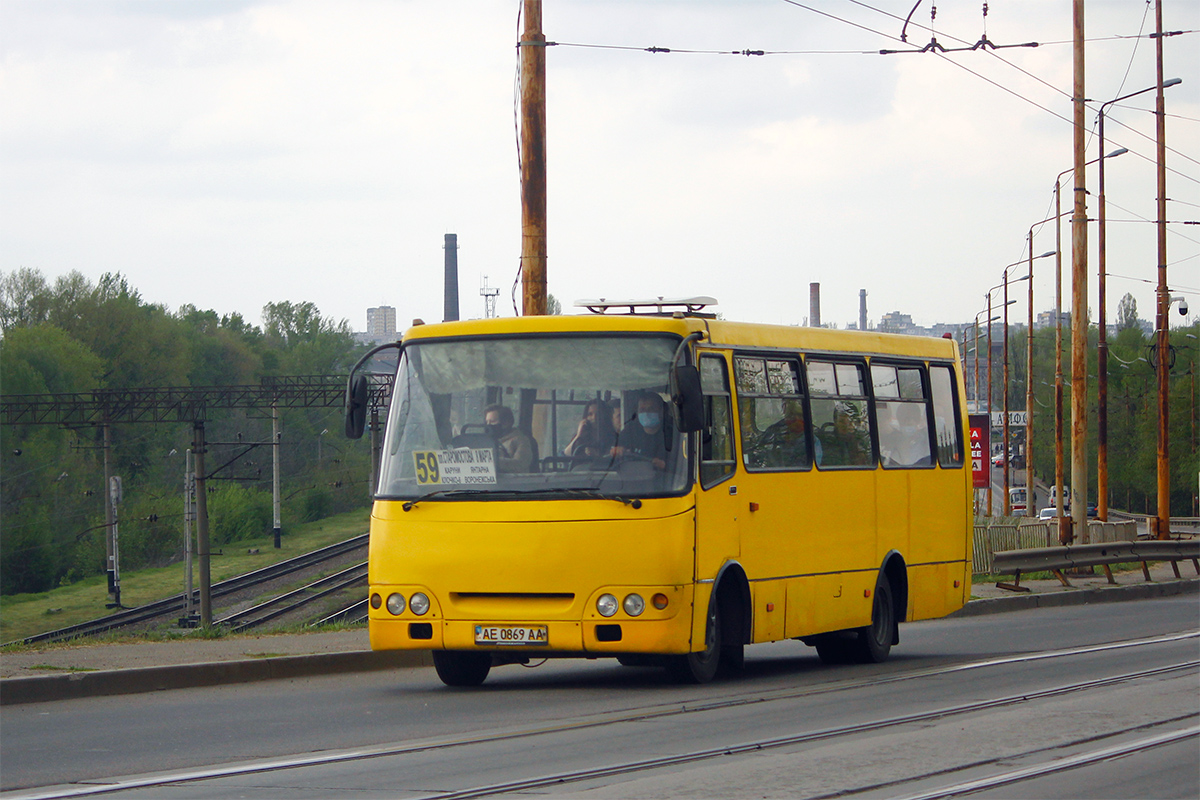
595,435
643,435
514,448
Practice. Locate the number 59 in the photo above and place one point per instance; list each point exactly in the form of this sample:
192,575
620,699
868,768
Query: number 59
427,467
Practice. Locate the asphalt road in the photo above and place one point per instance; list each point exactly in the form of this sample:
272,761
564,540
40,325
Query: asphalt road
788,711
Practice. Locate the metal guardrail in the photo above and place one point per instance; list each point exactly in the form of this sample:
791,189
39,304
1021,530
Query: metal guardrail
1017,533
1102,554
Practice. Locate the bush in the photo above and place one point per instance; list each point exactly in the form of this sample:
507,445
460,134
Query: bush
236,513
317,505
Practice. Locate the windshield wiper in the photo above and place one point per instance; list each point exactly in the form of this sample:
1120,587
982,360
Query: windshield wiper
596,493
585,493
408,504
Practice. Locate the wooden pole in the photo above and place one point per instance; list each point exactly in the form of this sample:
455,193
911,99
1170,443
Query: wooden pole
533,161
1079,307
1163,296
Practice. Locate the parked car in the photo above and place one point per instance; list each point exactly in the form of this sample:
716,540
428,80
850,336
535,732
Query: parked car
1048,513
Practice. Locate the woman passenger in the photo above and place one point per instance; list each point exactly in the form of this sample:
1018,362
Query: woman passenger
595,435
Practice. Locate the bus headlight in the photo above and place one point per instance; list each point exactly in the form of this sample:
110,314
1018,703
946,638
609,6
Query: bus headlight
395,604
606,605
634,605
418,603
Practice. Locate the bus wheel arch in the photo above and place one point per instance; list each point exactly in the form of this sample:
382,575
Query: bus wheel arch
727,630
895,572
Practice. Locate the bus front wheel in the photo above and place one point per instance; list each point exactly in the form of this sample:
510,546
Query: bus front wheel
462,669
700,667
875,640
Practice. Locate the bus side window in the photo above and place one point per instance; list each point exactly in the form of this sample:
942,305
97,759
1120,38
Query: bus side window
770,413
716,440
840,418
902,416
946,418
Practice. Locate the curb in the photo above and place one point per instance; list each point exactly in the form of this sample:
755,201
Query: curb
1078,597
46,688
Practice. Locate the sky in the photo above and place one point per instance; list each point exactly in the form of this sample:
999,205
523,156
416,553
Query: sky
233,153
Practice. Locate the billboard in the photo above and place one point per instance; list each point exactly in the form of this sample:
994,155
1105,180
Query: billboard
980,449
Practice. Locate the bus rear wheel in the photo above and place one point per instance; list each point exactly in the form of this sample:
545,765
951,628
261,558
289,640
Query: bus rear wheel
700,667
462,669
875,640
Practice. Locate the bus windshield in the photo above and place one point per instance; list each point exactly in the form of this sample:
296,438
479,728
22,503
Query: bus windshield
512,417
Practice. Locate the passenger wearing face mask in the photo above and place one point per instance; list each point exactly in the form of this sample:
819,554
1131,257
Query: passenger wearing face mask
514,447
643,435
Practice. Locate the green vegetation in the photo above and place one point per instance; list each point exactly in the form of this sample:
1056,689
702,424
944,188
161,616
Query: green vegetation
70,337
1132,408
24,615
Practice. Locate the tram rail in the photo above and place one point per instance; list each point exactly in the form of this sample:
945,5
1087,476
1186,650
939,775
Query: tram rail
747,746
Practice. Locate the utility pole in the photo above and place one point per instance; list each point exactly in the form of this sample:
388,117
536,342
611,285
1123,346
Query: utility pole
1079,328
1007,503
1030,494
1163,296
189,514
203,551
115,496
1059,500
110,522
276,501
989,400
533,161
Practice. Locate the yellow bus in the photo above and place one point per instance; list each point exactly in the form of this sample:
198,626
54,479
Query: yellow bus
651,483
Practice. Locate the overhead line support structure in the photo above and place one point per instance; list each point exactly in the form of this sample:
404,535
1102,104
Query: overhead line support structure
190,404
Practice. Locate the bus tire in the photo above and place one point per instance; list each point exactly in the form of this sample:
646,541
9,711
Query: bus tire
833,648
462,669
700,667
874,641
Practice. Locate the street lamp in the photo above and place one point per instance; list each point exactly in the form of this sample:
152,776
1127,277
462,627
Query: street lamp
1058,378
1029,375
1004,446
1102,349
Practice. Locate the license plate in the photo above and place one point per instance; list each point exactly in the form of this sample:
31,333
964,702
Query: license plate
512,634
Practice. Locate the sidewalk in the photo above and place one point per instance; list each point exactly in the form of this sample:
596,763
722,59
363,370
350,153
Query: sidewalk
58,672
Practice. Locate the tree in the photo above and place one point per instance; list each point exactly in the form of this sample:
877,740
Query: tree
1127,316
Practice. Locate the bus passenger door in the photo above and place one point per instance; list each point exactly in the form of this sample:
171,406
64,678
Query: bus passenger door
717,502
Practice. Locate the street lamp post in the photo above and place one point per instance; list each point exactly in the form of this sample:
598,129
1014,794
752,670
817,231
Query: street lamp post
1058,377
1029,374
1102,332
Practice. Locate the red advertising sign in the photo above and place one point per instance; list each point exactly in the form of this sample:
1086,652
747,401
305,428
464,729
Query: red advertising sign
981,431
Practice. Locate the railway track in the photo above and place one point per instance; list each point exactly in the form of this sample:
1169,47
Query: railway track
296,599
175,604
998,771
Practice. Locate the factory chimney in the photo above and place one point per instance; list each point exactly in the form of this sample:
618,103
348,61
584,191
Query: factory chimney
862,309
451,290
814,305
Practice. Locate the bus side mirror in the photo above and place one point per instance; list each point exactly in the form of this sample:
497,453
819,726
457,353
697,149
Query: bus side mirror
356,405
689,398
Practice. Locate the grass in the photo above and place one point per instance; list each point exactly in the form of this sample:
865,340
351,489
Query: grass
25,615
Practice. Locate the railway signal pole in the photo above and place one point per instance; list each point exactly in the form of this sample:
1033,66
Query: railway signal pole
533,160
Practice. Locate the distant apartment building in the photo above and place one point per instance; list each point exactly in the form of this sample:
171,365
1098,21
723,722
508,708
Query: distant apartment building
381,326
895,322
1045,319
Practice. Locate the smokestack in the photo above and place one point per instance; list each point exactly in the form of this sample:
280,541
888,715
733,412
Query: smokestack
814,305
862,309
451,290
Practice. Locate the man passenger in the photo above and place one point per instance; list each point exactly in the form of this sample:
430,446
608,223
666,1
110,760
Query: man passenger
643,436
